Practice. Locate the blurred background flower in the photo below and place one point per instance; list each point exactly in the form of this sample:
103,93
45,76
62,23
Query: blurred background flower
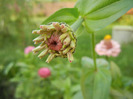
28,49
44,72
108,47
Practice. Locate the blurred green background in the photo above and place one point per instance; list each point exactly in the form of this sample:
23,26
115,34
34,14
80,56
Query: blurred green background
18,72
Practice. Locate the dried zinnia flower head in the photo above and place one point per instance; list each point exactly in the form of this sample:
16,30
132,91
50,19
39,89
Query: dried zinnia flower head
108,47
57,39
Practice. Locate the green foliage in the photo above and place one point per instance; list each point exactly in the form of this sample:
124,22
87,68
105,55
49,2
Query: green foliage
67,15
88,62
121,94
94,13
115,70
81,30
99,14
15,33
16,21
78,95
95,83
63,82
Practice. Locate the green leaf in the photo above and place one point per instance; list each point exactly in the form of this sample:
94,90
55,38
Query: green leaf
96,84
116,94
102,62
88,6
8,68
78,95
75,88
115,70
67,93
88,62
67,15
100,13
120,94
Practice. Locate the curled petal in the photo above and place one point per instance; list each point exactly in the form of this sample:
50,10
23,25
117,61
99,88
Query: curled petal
70,57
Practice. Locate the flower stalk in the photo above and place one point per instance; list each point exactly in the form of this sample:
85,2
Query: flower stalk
77,24
93,49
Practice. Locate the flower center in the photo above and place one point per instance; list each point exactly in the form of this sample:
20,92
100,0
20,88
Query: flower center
108,44
54,43
107,37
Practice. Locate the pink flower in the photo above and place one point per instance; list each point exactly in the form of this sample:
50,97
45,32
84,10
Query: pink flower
28,49
108,47
44,72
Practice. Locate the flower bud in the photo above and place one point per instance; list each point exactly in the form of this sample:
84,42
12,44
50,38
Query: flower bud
43,53
39,38
41,32
36,42
64,29
63,36
43,43
56,25
72,45
50,57
44,27
67,41
62,26
44,72
34,31
57,39
38,48
51,28
70,57
66,50
71,35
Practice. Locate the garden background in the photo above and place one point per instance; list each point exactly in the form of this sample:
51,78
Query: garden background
18,71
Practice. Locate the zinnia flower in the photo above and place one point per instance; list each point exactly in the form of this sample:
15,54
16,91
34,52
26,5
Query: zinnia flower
44,72
108,47
28,49
57,39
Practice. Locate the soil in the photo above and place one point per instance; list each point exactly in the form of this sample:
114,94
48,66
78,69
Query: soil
46,9
49,8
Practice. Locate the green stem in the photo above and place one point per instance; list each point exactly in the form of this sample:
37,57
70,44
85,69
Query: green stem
94,53
77,24
107,58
